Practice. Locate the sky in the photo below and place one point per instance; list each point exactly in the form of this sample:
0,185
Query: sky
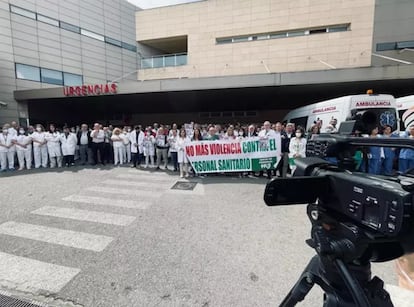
146,4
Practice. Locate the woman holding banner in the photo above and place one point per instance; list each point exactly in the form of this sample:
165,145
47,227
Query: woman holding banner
182,156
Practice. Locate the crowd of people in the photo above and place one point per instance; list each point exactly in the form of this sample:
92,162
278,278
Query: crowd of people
163,146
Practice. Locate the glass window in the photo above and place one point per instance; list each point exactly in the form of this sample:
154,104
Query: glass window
23,12
278,35
146,63
240,39
27,72
338,28
406,44
129,47
48,20
158,62
318,31
92,35
112,41
69,27
223,40
52,76
295,33
170,60
386,46
72,79
261,37
181,59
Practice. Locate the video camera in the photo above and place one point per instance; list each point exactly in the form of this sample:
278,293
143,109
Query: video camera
356,218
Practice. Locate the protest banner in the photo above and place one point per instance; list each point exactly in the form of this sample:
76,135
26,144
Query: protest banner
248,154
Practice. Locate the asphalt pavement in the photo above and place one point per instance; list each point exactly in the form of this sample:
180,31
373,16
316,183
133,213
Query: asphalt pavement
122,237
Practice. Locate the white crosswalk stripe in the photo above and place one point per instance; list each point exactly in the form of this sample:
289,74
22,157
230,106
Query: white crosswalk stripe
119,191
86,215
142,185
29,275
58,236
95,200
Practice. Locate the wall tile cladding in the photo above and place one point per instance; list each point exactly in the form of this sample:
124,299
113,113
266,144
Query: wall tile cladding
205,21
57,48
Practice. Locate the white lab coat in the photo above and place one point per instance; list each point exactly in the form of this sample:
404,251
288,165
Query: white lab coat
6,154
12,133
149,147
39,150
69,143
24,154
181,154
297,147
53,144
136,147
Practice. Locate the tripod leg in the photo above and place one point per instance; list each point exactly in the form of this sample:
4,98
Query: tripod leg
303,285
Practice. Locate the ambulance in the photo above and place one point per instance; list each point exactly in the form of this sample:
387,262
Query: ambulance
369,110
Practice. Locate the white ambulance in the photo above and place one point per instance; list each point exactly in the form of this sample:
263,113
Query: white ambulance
368,110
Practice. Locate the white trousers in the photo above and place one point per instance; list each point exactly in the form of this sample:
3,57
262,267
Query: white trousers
119,155
55,160
40,156
147,158
127,153
3,160
25,158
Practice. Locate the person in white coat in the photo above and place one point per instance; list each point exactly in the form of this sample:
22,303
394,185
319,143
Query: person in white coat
118,139
127,143
24,149
149,147
172,140
53,147
68,142
297,148
7,141
182,159
136,138
39,147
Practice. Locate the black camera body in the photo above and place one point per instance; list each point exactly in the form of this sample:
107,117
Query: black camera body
382,207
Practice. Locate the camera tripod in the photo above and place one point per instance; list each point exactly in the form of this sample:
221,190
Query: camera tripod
341,267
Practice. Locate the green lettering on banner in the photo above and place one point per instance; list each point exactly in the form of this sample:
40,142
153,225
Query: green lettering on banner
205,166
234,164
272,144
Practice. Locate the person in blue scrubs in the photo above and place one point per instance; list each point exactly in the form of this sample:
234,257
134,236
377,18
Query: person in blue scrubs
406,158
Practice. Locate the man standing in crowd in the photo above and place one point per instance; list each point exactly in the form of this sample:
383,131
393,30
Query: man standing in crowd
162,147
97,145
265,134
286,136
212,134
136,138
251,131
84,143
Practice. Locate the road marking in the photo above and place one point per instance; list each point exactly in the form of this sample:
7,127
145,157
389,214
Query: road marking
142,185
148,178
86,215
29,275
58,236
122,203
120,191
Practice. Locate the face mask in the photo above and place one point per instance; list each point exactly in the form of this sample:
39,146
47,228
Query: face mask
21,131
298,134
5,131
129,130
38,129
73,130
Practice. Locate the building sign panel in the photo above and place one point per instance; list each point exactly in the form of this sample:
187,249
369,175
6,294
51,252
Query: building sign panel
91,90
